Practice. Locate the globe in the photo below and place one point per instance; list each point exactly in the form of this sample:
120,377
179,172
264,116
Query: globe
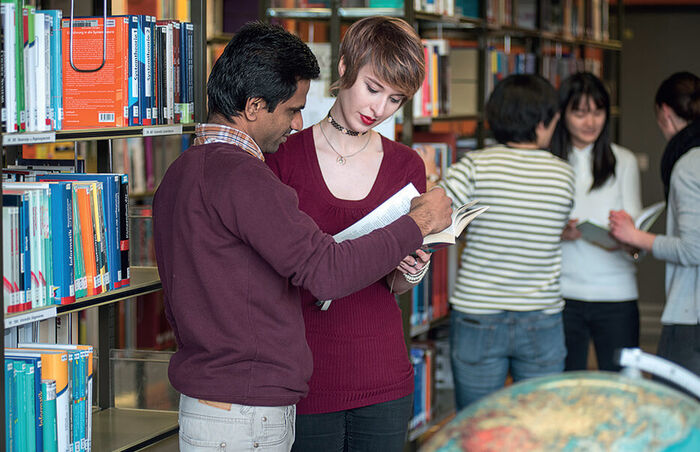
575,411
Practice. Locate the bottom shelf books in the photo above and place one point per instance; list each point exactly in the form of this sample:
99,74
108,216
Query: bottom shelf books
48,397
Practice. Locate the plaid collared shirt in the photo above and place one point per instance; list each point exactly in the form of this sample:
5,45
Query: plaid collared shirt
213,133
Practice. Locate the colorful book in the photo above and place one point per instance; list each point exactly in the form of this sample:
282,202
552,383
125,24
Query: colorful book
96,91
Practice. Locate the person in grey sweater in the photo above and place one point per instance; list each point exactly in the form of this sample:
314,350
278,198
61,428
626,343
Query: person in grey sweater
678,116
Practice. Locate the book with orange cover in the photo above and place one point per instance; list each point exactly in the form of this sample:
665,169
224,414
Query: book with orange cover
87,230
96,98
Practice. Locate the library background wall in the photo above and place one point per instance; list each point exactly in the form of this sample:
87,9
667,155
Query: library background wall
659,38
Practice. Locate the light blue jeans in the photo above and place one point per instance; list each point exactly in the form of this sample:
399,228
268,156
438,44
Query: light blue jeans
212,427
485,347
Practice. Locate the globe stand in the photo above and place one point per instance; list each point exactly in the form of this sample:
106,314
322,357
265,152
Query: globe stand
634,361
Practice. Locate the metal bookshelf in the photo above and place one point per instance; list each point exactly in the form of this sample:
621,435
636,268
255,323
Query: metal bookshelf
114,429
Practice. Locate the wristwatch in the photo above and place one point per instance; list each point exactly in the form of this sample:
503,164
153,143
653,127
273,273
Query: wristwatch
433,177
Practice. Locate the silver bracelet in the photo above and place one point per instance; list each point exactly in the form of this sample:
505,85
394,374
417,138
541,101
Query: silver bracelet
415,279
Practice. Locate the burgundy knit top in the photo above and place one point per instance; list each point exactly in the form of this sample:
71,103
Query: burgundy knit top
358,348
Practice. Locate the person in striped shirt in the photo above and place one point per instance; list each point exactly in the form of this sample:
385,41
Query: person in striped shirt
506,306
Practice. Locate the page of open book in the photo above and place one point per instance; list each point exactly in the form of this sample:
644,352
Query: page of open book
383,215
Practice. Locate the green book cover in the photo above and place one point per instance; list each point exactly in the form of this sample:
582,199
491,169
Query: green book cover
22,405
50,422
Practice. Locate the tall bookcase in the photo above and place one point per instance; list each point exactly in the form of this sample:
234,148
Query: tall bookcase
556,34
112,428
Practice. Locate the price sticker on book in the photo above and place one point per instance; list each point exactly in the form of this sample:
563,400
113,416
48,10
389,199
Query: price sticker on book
29,317
175,129
15,139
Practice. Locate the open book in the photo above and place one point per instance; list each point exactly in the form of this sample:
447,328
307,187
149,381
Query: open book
599,234
461,217
398,205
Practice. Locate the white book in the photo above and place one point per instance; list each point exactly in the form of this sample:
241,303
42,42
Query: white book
170,73
599,234
7,257
30,77
41,72
8,45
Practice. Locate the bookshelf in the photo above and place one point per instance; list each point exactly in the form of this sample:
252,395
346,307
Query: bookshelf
558,37
113,429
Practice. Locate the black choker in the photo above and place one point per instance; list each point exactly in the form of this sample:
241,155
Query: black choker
342,129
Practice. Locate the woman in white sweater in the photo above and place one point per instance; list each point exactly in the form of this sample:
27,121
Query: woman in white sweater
599,285
678,116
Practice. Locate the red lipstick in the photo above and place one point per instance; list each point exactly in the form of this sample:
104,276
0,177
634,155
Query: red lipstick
367,120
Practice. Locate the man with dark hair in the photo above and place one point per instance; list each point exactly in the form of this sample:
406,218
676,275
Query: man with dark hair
232,245
506,306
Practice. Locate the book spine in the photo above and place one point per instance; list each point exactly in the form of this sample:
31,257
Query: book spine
48,389
29,49
56,69
19,66
10,67
153,61
78,257
10,406
144,75
134,118
124,230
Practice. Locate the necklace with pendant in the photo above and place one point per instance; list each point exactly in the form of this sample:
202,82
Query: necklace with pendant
342,159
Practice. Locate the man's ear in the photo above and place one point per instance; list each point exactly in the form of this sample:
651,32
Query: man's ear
253,107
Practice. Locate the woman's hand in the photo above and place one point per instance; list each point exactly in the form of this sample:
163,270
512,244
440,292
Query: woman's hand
570,231
413,263
622,227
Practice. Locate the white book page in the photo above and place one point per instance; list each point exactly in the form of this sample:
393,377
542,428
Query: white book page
386,213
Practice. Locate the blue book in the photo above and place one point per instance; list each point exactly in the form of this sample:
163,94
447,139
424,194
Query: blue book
56,67
134,115
153,67
143,55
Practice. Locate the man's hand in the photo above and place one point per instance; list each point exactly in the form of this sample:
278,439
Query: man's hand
432,211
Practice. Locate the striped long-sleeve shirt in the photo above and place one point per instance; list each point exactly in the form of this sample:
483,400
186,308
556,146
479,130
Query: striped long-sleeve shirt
512,260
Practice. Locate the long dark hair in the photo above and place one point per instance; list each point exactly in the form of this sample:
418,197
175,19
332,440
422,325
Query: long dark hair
582,86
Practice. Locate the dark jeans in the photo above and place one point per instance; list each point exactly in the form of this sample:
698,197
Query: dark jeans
680,344
381,427
611,325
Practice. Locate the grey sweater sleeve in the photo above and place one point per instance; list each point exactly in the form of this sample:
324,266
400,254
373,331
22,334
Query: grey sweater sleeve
681,245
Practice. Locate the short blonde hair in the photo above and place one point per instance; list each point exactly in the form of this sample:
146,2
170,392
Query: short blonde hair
390,46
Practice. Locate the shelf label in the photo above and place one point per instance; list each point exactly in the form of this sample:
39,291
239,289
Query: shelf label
14,139
29,317
175,129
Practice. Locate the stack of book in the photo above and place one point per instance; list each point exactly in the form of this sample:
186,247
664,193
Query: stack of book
88,73
48,397
65,236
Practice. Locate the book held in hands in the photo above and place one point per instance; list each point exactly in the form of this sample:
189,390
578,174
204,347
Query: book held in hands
398,205
599,234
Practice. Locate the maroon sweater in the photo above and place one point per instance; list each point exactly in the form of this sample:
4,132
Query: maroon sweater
358,346
231,246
